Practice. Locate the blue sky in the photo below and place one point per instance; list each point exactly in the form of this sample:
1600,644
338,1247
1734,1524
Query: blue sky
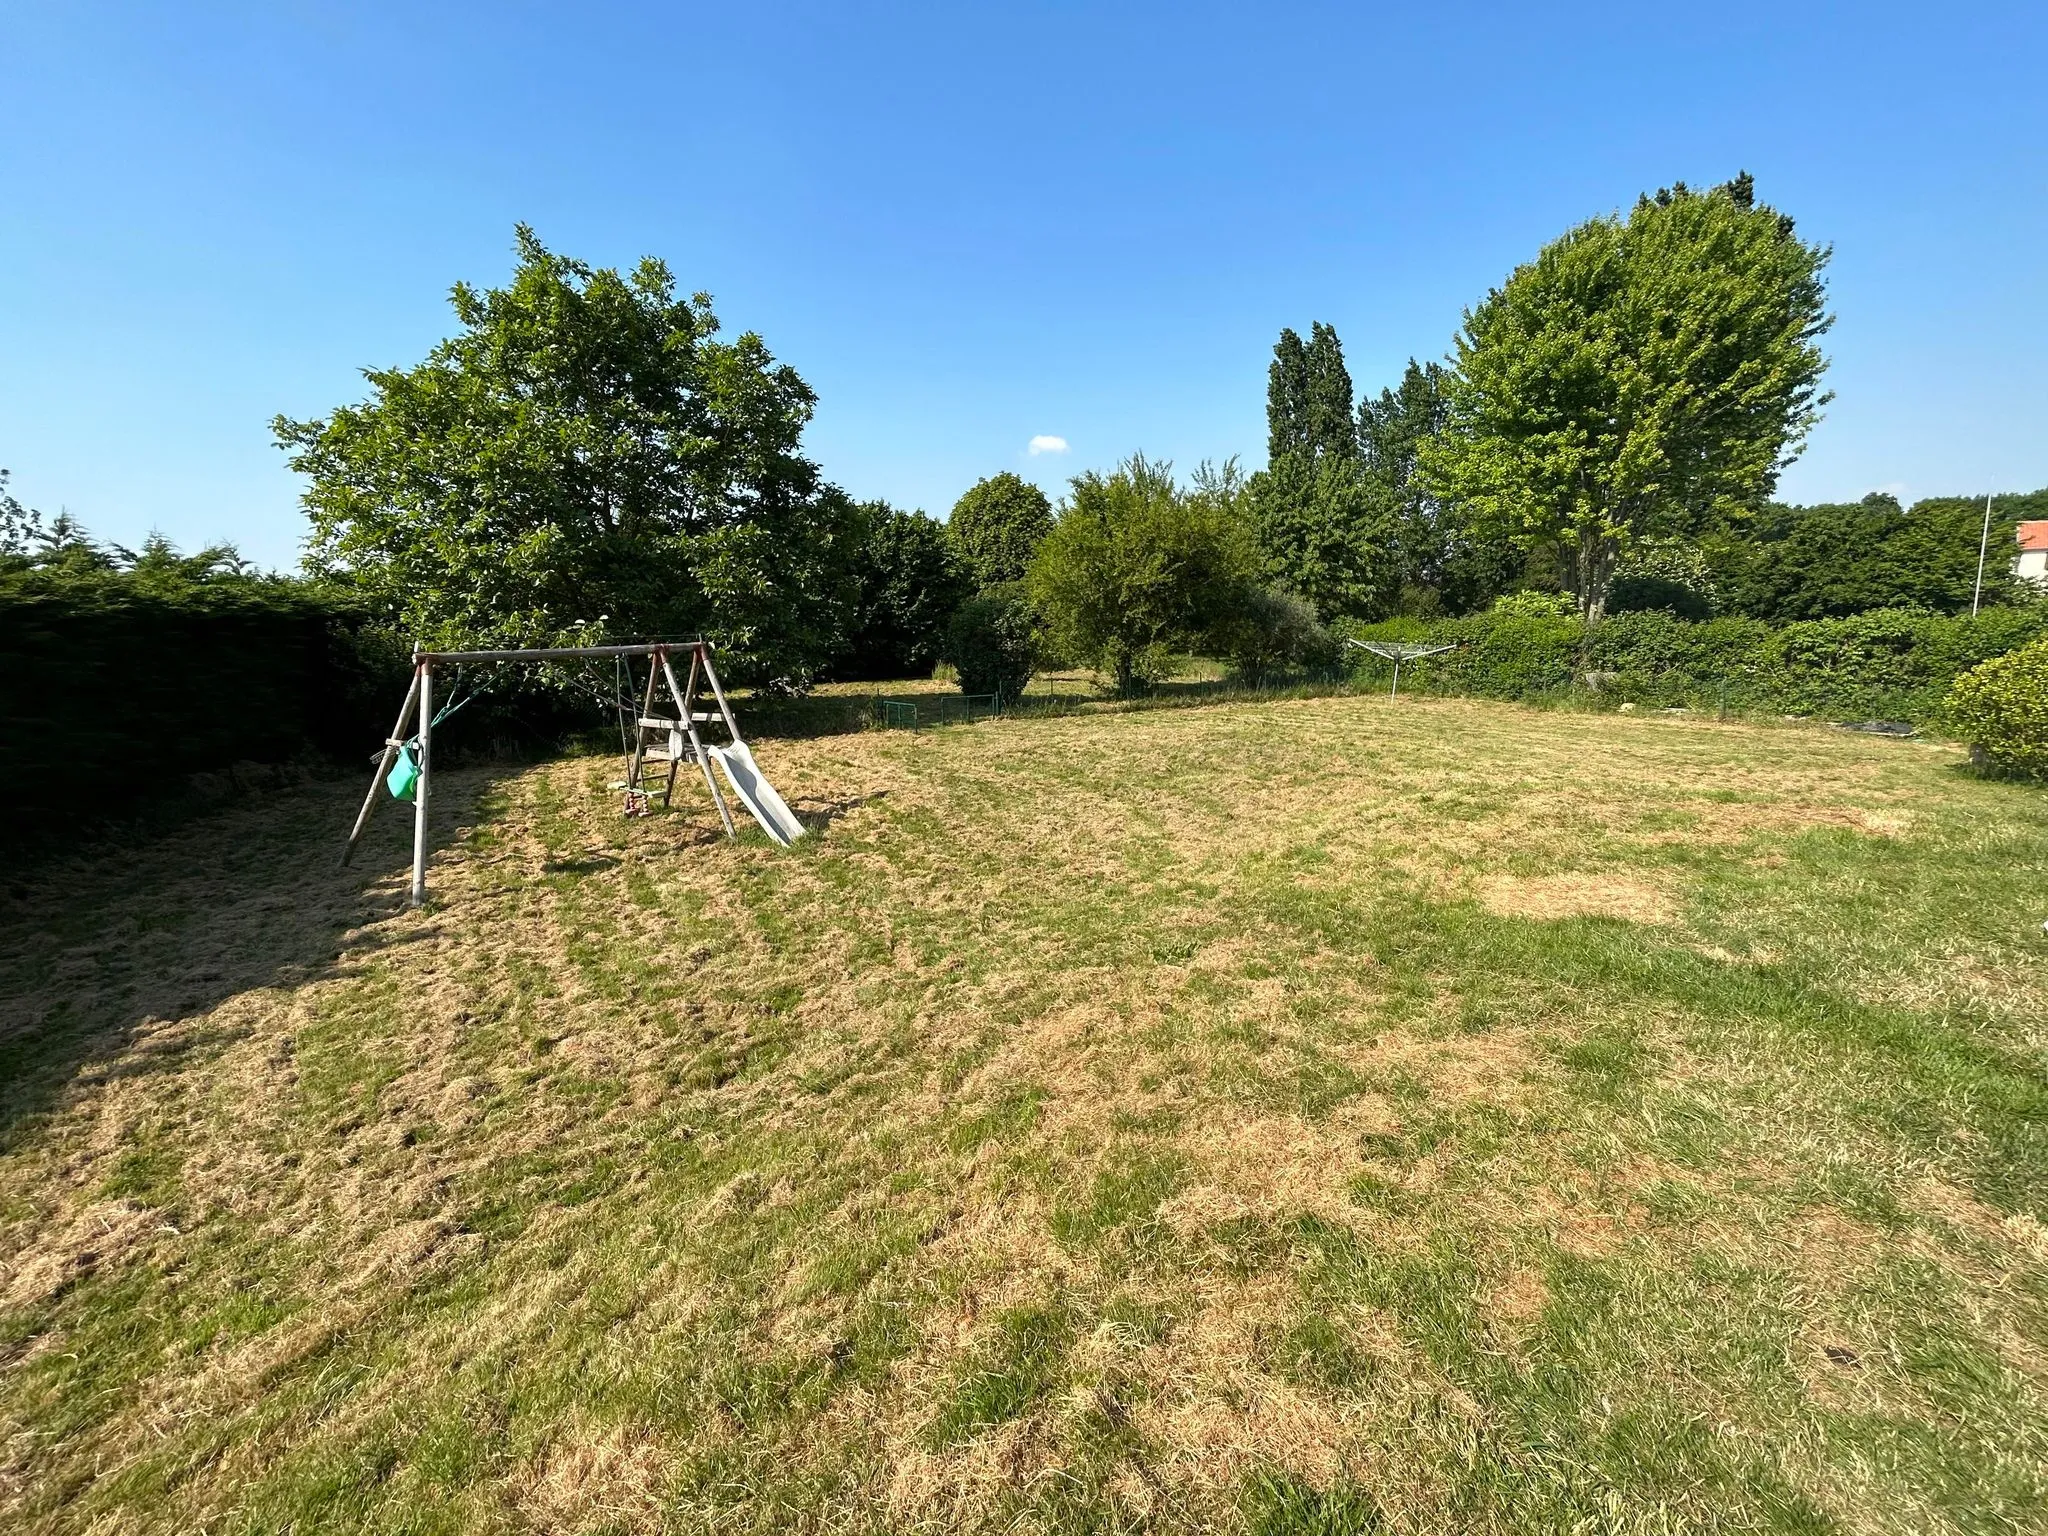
970,226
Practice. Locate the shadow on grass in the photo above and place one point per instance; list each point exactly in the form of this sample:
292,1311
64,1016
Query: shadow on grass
104,956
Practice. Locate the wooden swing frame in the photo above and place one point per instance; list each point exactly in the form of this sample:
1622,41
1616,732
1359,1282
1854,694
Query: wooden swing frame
683,742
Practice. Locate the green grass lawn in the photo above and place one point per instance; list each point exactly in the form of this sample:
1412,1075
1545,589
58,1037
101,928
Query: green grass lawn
1314,1116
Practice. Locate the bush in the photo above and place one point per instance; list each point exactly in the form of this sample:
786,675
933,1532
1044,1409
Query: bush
119,687
1137,567
991,642
1663,575
2001,708
1274,632
1536,604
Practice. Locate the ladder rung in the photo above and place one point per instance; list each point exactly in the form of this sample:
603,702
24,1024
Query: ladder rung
648,723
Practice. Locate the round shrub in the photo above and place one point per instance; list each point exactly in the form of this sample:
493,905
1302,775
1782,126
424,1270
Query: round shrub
1272,632
997,526
2001,708
991,642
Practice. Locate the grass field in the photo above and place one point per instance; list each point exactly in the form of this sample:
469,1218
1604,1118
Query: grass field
1317,1116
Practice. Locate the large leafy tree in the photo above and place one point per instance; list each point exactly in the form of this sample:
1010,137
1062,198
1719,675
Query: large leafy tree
909,582
1324,528
1828,561
1444,563
996,527
1137,566
584,459
1641,377
1327,531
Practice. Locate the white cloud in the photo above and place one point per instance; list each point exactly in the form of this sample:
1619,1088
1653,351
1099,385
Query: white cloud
1045,442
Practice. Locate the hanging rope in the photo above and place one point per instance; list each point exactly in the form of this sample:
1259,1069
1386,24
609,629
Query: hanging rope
456,700
622,704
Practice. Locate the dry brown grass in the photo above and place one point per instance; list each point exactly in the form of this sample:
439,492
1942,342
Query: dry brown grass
627,1093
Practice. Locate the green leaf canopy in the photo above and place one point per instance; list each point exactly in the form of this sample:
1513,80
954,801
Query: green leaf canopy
1640,377
584,460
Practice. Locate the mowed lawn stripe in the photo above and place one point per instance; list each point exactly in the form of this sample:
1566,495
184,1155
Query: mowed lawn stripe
1300,1116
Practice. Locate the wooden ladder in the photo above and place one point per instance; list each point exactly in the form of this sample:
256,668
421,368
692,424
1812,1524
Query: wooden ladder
676,737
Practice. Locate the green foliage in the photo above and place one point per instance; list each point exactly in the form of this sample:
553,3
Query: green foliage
1326,530
1668,575
1308,399
1827,561
2001,708
1444,563
1887,665
1639,378
584,459
1137,566
908,581
1534,604
997,526
992,641
20,527
121,683
1272,632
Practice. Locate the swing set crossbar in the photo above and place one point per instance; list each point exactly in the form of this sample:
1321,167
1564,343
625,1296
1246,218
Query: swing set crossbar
558,652
419,705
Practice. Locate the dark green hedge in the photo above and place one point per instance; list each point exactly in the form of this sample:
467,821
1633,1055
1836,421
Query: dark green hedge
114,690
1891,665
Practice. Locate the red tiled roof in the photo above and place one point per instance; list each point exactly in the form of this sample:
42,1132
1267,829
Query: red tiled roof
2033,535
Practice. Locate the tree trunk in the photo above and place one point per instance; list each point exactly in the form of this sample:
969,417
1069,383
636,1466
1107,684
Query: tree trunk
1596,558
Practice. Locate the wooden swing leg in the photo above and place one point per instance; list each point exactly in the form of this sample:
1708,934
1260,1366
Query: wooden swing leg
391,745
684,699
420,789
732,726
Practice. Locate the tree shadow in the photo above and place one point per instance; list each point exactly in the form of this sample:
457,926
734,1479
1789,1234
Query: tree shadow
105,956
818,815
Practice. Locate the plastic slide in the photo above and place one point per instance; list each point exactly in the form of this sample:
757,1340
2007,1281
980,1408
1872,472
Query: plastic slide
756,793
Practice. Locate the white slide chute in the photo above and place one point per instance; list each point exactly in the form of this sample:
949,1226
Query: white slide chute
756,793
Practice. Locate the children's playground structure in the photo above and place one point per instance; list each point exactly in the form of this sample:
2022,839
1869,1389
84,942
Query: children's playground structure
661,743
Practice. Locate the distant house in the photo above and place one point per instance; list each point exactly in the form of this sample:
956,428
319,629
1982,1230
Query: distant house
2033,561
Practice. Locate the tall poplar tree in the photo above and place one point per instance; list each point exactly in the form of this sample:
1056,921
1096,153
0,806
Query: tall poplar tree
1323,530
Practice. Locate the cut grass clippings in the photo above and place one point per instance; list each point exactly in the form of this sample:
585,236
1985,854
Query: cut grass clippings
1306,1116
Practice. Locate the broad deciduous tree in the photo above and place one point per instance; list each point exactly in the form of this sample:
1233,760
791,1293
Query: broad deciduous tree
909,581
1136,566
996,527
1828,561
1647,376
585,459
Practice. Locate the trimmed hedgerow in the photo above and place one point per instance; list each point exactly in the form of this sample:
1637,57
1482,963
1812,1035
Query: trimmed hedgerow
117,689
1892,664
